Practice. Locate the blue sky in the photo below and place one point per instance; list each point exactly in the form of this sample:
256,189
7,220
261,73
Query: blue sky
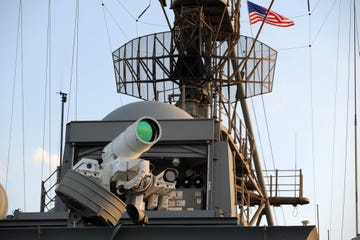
288,107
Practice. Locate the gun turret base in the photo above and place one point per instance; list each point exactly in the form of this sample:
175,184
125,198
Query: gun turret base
85,197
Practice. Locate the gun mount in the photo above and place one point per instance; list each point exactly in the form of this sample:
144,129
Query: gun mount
197,158
121,176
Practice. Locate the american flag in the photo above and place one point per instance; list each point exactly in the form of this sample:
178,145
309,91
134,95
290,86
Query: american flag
257,13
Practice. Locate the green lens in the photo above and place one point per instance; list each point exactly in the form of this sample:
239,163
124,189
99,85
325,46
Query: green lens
144,131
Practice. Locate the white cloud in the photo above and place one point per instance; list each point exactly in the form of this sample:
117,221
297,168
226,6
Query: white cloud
42,156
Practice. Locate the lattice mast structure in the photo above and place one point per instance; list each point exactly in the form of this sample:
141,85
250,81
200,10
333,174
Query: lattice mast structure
204,66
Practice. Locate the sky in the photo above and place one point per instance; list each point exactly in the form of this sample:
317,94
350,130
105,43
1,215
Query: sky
309,114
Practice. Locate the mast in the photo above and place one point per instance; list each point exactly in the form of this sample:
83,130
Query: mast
63,101
247,119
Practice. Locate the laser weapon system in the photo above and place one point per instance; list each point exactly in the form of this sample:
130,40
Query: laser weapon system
122,173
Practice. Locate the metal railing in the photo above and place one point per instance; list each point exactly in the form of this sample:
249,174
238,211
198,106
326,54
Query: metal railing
47,191
284,183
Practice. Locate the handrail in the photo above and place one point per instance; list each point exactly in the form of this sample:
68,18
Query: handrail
47,198
281,182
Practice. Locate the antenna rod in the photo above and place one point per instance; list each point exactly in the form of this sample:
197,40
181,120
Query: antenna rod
163,5
142,13
308,6
63,101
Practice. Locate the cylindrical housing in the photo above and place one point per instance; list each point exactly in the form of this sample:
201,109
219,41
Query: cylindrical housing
135,140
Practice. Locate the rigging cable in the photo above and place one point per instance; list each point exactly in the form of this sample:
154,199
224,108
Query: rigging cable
335,114
47,91
108,33
295,210
293,48
346,131
49,82
137,19
323,23
259,137
316,5
74,58
268,132
262,151
126,10
13,97
116,22
106,27
263,105
355,130
22,102
130,14
153,24
357,33
77,62
271,148
258,134
18,38
312,116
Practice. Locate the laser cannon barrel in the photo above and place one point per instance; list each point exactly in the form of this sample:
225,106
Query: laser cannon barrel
135,140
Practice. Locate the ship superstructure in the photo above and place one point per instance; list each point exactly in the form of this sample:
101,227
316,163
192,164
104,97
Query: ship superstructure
200,172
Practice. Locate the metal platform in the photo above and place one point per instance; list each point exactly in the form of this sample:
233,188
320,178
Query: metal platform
35,230
180,232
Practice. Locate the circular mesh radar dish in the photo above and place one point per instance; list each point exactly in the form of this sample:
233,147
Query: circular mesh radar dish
145,131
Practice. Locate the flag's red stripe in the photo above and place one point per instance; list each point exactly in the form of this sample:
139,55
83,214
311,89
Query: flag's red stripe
257,13
273,19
